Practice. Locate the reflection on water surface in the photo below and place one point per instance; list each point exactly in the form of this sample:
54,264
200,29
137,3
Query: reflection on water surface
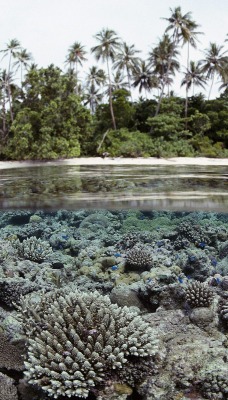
144,187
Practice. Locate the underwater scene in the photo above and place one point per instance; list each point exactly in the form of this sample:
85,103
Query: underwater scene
113,282
113,304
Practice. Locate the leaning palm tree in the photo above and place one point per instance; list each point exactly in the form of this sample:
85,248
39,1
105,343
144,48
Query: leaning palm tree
215,64
193,77
106,50
144,79
75,57
183,31
127,59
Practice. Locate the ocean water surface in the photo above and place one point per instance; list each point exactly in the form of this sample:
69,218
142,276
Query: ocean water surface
114,282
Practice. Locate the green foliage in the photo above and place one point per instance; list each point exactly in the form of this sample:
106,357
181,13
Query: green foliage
166,125
123,110
205,147
127,144
51,122
143,110
199,123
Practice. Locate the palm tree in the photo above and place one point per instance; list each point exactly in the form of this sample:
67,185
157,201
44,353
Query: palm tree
215,63
6,85
92,97
144,79
160,59
11,50
183,31
127,60
95,76
193,77
106,50
118,82
23,59
75,57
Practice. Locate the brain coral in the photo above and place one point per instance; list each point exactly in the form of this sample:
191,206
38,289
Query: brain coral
77,341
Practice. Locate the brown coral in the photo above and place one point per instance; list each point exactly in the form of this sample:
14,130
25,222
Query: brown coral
198,294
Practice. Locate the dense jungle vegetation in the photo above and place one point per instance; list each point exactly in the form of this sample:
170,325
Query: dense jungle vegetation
47,113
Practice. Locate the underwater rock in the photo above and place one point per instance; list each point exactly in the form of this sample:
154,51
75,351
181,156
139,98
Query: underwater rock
8,390
11,354
123,295
203,317
11,289
188,350
223,250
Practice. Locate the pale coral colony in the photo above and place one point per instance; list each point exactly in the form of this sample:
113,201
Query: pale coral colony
123,304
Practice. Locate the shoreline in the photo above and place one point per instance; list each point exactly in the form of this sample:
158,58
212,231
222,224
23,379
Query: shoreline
118,161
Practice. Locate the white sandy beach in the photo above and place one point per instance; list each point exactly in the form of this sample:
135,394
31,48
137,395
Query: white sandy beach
119,161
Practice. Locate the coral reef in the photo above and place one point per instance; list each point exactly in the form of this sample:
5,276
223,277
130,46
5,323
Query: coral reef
198,294
11,289
33,249
165,275
138,258
214,383
77,340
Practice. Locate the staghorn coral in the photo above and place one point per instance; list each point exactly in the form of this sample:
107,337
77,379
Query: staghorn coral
33,249
197,294
7,389
77,340
214,383
139,258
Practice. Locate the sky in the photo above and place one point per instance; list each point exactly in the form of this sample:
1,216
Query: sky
47,28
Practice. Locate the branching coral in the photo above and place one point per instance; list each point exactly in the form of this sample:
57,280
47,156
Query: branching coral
79,340
33,249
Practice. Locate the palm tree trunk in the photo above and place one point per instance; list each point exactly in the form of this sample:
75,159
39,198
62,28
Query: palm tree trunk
110,98
160,98
186,109
76,74
129,84
212,82
10,99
